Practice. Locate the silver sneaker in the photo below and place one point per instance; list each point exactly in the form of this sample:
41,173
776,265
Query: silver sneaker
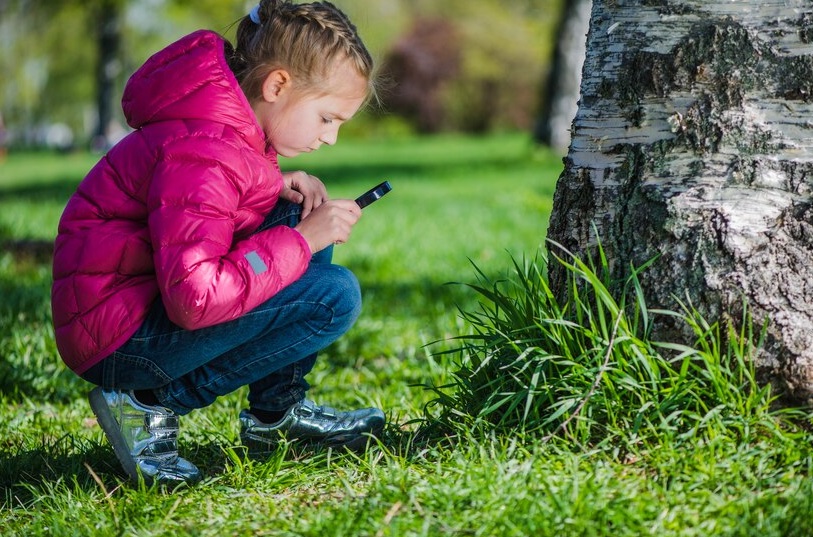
144,438
317,424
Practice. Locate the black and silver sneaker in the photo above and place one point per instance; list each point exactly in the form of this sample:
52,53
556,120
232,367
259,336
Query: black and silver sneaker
144,438
308,422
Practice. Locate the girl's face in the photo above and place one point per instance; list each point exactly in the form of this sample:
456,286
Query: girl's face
294,123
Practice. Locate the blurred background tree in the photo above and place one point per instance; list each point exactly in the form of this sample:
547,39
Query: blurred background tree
559,94
63,63
470,66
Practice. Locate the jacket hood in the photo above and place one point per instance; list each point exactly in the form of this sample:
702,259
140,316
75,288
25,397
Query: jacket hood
189,80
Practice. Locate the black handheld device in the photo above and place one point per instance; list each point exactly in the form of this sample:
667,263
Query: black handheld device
373,194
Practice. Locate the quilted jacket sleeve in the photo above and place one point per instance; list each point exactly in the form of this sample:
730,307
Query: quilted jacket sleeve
204,276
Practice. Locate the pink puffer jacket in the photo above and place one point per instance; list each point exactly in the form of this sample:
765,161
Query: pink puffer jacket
169,212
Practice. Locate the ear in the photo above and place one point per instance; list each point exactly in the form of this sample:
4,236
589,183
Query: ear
275,84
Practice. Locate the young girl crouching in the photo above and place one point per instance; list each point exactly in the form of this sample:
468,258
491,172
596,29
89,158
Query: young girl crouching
187,265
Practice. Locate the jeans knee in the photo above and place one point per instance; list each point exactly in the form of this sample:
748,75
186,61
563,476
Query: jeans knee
347,292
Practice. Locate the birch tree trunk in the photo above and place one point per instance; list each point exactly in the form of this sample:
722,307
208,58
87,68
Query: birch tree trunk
693,142
561,98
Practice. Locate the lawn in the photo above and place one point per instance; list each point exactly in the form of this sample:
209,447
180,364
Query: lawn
460,207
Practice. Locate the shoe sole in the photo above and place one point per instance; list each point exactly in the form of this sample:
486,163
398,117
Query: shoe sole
356,443
112,431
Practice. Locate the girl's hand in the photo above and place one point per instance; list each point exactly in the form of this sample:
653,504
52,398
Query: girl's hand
305,190
330,223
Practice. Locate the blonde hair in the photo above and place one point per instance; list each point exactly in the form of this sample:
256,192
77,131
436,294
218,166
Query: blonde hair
307,40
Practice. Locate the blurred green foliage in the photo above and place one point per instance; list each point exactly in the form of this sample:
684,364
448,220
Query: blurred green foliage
49,51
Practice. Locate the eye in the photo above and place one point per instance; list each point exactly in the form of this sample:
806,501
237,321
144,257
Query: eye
327,120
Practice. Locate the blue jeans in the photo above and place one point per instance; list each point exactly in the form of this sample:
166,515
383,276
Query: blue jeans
270,349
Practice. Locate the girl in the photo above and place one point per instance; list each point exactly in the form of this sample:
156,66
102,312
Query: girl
187,265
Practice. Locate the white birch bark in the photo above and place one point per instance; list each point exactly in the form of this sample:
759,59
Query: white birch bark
694,142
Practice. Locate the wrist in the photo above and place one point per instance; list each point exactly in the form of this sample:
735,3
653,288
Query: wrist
306,244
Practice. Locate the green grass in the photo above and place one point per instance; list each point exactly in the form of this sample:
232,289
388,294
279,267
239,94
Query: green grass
639,448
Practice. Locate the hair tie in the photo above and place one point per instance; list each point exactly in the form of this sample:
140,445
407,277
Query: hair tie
254,14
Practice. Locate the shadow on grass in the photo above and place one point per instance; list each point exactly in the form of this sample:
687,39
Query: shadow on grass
75,463
417,172
29,364
417,298
57,190
61,188
28,250
24,472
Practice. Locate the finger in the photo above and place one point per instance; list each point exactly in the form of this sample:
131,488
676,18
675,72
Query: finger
347,205
291,195
307,206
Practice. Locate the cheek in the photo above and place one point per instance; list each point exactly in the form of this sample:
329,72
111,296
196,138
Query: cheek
272,127
308,131
282,131
297,128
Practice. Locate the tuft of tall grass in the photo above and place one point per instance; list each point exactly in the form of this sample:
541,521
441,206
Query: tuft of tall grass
588,371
